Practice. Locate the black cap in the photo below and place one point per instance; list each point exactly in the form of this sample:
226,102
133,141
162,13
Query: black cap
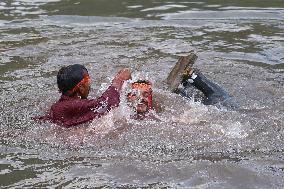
68,77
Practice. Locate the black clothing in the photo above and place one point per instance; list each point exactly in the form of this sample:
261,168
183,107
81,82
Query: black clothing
214,94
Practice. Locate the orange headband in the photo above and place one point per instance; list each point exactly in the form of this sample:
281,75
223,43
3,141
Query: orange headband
143,86
86,79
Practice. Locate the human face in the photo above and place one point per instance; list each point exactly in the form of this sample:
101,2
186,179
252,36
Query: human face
84,86
85,90
140,97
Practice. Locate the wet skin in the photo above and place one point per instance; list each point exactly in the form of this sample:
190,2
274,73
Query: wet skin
84,90
140,99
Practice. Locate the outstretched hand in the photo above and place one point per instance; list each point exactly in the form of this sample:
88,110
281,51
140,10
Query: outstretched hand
124,74
121,76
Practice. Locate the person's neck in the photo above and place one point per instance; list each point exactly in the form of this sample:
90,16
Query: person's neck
141,115
71,96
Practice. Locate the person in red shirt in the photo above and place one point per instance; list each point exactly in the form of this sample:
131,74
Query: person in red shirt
73,107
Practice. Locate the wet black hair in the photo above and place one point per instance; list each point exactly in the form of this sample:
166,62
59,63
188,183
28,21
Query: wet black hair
68,77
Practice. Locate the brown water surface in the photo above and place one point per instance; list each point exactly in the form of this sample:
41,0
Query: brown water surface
240,46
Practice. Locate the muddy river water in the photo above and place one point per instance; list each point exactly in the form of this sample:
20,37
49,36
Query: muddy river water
240,45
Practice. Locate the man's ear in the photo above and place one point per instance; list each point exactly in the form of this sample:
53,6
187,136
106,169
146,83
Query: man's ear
80,89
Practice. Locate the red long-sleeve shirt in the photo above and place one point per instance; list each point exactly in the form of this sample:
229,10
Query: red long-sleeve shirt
70,111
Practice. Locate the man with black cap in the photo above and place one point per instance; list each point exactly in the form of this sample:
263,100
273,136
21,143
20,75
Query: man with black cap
73,107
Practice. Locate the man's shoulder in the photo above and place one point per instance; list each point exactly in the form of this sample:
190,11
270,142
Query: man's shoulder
63,102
